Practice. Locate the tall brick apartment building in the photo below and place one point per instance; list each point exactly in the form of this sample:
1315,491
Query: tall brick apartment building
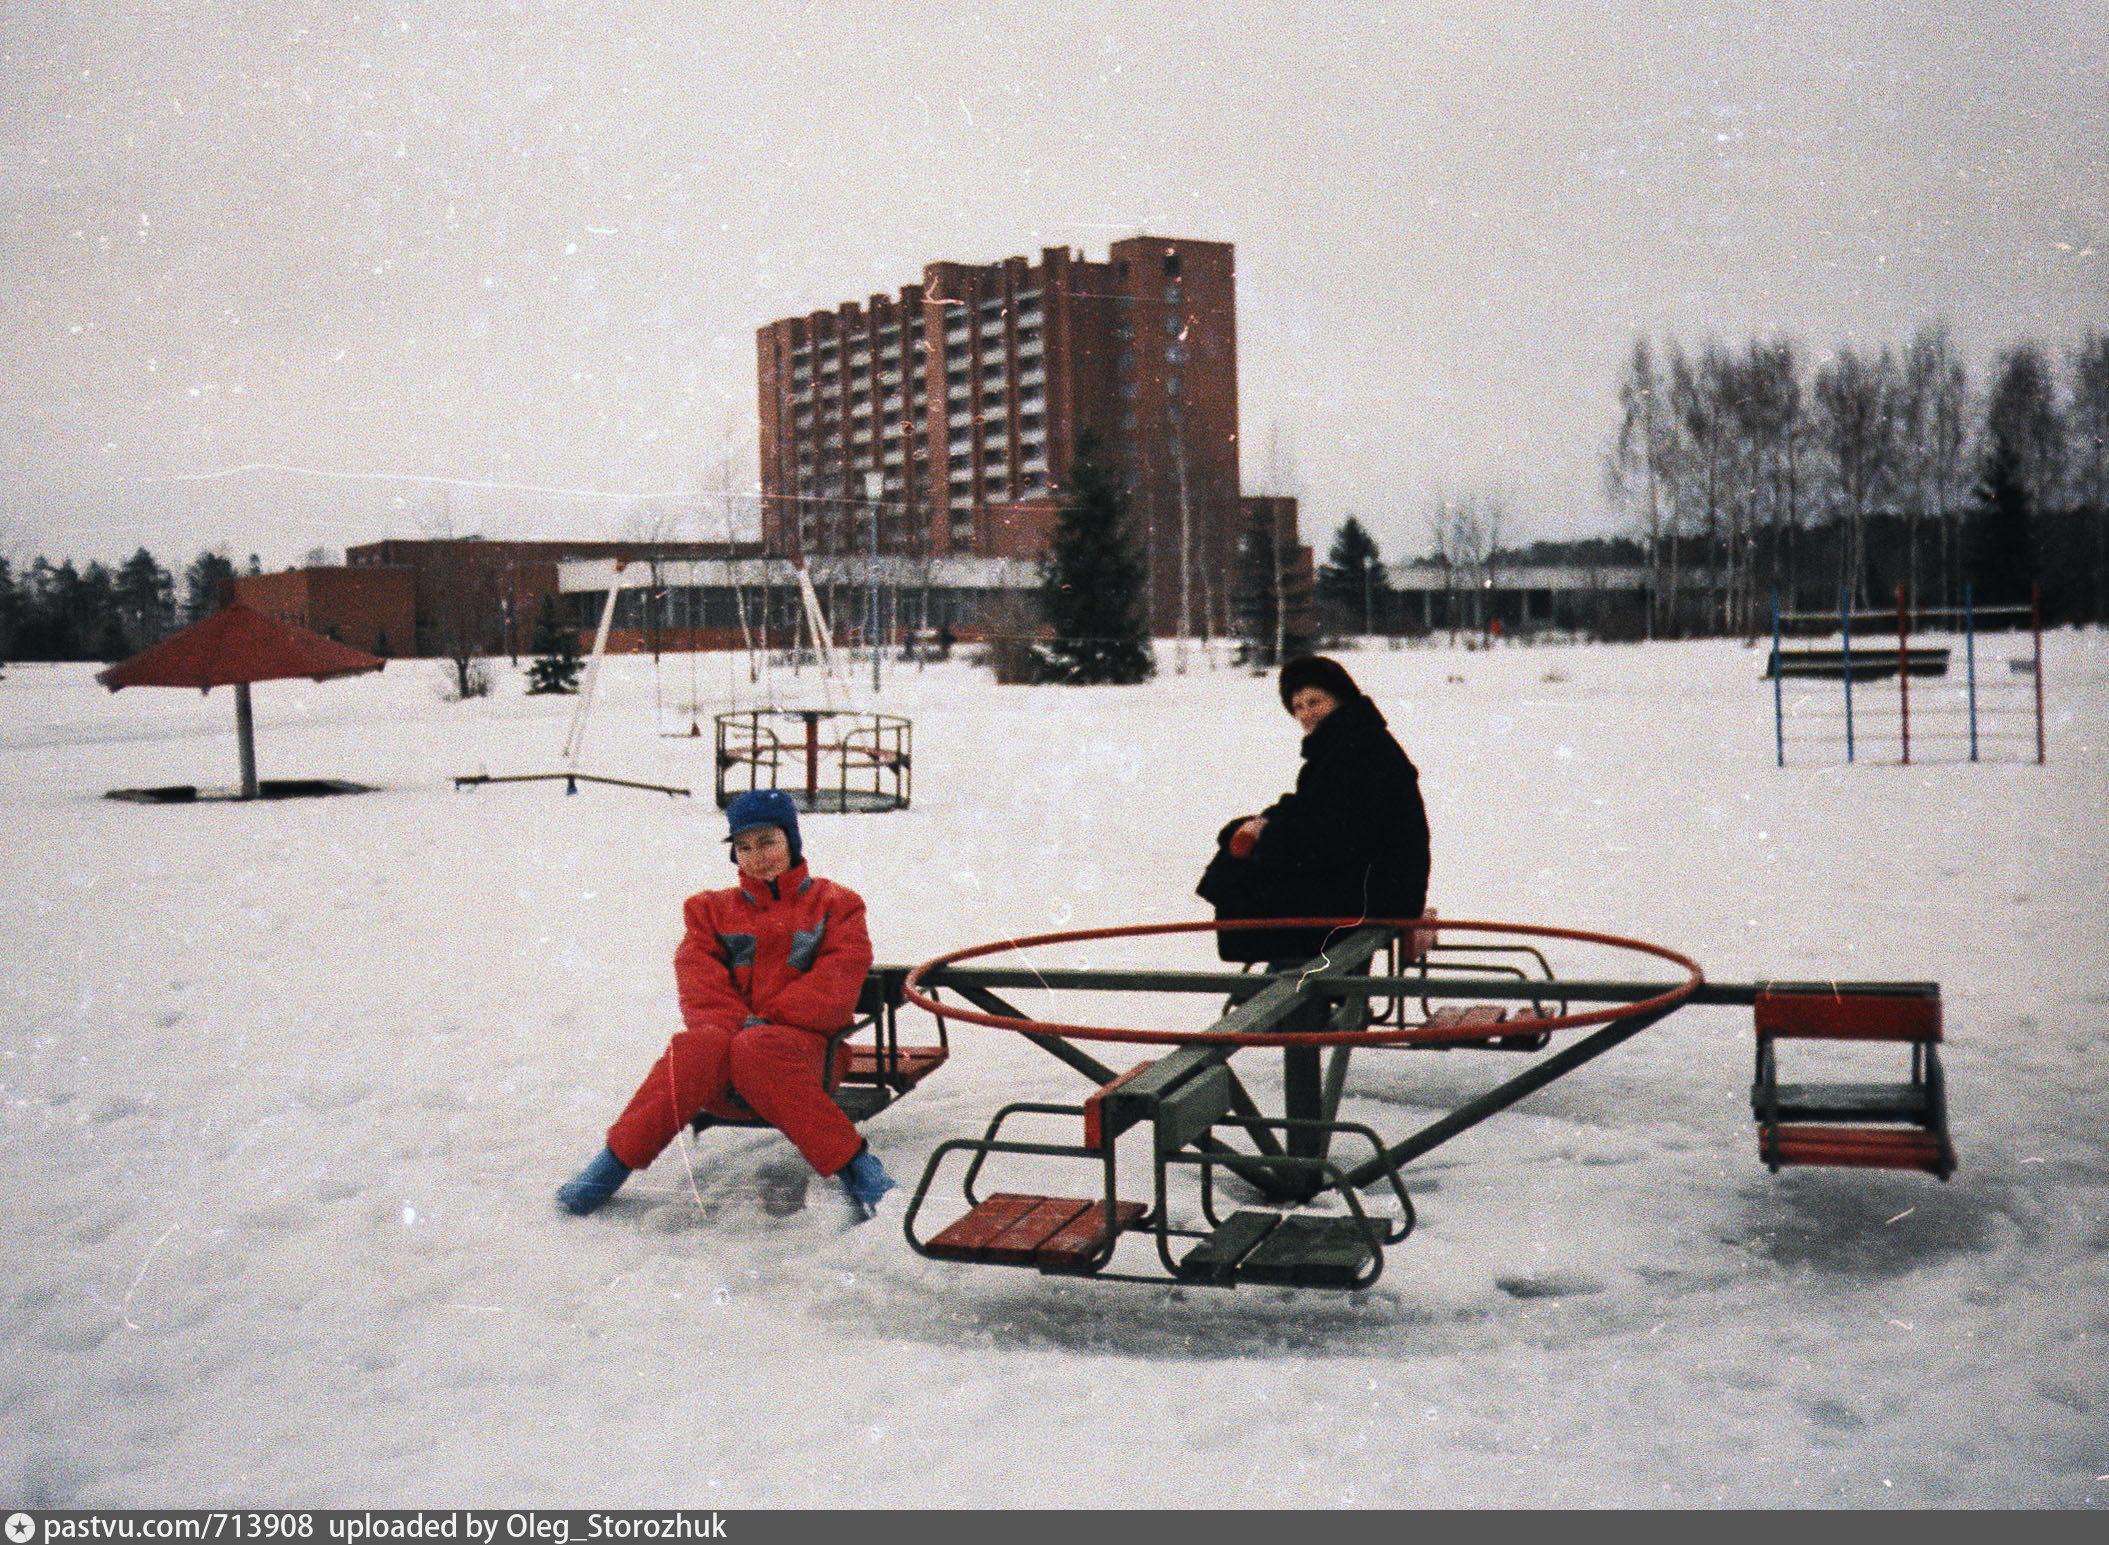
961,400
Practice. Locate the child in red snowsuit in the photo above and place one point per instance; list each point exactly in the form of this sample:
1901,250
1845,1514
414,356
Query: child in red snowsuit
767,971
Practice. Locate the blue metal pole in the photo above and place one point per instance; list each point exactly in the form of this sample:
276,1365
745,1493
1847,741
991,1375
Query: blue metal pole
1970,661
1845,631
1779,722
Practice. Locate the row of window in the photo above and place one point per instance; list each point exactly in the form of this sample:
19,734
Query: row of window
827,353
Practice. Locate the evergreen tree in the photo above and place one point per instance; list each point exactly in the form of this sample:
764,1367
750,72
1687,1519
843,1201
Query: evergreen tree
10,608
201,584
1271,590
145,596
1092,583
556,651
111,642
1351,580
2002,529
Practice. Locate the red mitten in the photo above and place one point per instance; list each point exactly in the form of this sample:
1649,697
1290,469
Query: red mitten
1241,841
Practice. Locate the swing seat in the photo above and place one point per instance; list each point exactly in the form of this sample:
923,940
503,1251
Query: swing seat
1853,1125
1486,1026
1057,1234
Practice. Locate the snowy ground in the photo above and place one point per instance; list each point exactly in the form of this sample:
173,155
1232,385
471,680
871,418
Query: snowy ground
288,1085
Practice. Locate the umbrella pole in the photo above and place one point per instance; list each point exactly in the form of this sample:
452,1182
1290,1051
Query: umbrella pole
245,734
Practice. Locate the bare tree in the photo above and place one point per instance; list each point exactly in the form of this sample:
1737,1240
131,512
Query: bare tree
1640,469
1855,404
1932,400
1776,422
2087,438
1466,532
465,612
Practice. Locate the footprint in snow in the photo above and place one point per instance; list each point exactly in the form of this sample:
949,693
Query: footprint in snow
1553,1284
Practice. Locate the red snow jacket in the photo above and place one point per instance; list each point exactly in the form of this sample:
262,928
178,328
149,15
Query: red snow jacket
789,952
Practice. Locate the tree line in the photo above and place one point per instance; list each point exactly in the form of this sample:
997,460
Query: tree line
65,612
1751,471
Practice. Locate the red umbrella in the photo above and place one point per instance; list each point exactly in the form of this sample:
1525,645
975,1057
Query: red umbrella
234,647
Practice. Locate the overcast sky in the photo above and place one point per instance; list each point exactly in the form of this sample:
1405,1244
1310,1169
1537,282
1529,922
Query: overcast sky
436,255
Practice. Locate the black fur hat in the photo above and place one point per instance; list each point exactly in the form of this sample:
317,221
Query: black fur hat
1316,670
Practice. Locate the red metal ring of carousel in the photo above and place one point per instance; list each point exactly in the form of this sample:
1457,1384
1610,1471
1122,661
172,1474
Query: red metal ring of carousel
1434,927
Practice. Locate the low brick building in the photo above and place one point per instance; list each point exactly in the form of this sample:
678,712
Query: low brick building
371,608
430,597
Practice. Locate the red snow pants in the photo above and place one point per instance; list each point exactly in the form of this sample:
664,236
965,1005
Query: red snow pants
775,1069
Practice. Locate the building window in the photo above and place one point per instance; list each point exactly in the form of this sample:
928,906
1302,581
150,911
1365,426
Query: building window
1171,265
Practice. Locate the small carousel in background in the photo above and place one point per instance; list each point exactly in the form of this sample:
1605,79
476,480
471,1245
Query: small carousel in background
833,759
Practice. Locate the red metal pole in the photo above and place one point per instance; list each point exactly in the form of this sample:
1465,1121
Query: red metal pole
1903,676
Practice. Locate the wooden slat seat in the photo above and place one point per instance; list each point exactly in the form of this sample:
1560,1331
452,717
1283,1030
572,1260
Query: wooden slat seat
1851,1102
1052,1233
1854,1147
1487,1025
1296,1250
908,1065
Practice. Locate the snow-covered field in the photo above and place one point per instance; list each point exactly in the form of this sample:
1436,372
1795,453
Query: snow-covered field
288,1086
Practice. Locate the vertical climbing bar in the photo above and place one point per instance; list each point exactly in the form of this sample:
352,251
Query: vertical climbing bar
1779,672
1845,634
1970,659
2035,619
1903,676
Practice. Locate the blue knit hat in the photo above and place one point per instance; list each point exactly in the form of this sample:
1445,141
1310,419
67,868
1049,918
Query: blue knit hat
764,807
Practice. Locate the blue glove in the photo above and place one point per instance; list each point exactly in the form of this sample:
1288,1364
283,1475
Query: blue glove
866,1181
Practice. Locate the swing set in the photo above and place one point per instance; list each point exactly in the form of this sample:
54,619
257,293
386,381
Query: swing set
833,758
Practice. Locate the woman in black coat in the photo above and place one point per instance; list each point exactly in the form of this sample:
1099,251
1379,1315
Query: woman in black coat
1351,841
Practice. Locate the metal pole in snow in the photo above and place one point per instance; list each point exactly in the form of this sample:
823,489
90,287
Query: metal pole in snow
1903,678
1970,659
1779,720
1845,631
2035,617
245,736
874,485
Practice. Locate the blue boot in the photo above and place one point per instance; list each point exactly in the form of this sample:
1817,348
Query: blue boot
594,1184
866,1180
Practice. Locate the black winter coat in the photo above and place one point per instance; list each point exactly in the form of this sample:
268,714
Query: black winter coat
1352,841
